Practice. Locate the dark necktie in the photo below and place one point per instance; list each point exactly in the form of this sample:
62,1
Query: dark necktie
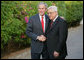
51,24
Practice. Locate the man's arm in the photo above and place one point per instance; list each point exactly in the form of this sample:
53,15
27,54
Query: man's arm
32,35
29,30
63,31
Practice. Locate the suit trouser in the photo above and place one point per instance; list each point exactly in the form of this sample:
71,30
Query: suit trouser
44,54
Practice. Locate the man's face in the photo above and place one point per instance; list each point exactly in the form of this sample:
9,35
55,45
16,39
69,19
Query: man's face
52,14
42,9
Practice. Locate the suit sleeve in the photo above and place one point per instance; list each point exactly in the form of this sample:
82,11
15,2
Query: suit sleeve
29,30
63,31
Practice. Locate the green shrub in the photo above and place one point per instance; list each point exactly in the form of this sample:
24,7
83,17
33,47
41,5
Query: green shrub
13,13
74,12
12,24
61,7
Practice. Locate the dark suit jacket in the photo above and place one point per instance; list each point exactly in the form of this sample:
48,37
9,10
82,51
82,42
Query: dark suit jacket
57,36
34,29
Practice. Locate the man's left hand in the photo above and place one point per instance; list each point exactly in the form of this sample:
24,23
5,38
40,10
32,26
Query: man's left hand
56,54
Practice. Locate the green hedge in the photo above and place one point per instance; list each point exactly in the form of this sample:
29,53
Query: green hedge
13,14
13,24
74,12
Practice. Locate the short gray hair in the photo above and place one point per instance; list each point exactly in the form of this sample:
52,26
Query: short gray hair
42,3
52,7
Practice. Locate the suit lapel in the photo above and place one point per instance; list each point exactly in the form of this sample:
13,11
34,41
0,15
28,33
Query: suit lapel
46,22
54,24
39,22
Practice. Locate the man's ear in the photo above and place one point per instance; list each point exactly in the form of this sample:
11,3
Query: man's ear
56,12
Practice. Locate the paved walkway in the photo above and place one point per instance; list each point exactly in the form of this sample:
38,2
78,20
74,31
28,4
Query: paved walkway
22,54
74,46
75,43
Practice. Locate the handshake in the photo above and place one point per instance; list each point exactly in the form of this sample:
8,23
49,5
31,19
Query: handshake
41,38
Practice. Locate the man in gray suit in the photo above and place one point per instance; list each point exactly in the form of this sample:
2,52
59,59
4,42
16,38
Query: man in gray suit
36,29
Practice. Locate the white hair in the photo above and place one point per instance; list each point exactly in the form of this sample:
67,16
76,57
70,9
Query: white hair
52,7
42,3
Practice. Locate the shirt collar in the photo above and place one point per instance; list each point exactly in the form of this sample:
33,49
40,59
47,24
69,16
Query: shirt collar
41,16
55,18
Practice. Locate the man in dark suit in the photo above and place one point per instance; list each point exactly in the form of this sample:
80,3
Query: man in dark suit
36,29
56,35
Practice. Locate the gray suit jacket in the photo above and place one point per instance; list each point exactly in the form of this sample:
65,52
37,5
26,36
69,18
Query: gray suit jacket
34,29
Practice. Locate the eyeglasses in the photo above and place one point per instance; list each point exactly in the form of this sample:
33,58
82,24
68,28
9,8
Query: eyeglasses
50,13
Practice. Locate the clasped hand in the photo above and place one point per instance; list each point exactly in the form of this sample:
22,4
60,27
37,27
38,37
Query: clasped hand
41,38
